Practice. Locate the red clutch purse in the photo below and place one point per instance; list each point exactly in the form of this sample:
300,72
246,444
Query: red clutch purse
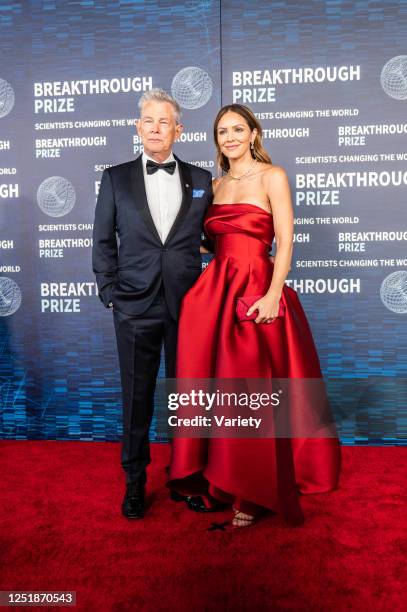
244,303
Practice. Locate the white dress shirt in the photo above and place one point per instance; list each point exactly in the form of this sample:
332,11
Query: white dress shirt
164,195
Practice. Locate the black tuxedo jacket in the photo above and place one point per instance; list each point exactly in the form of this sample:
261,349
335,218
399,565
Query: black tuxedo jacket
128,257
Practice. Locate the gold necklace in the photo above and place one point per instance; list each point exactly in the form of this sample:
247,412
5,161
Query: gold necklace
237,178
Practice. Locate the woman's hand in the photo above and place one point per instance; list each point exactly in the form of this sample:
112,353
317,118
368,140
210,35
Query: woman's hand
267,306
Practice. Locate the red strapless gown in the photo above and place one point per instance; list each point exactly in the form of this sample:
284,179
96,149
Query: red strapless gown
250,473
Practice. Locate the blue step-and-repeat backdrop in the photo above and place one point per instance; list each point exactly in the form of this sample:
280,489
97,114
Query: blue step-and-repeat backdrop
328,81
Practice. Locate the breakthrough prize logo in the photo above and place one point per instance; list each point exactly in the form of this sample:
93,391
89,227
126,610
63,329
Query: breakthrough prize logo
192,87
56,196
10,296
393,292
393,77
6,98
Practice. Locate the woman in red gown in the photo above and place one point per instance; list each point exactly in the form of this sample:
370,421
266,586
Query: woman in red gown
252,206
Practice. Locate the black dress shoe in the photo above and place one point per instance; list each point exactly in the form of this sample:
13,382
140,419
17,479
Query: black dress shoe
133,506
192,502
177,497
197,505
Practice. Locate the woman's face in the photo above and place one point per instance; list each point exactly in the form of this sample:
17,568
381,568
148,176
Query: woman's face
234,135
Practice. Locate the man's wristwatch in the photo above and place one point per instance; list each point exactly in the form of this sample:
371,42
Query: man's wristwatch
110,305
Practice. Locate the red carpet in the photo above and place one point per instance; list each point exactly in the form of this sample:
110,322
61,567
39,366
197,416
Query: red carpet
61,529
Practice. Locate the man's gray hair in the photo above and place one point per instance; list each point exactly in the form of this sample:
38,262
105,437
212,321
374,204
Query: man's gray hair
160,95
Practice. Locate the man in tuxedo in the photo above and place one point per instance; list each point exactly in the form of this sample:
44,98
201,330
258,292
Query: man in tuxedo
155,206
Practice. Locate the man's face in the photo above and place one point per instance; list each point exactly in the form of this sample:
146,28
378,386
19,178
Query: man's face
158,129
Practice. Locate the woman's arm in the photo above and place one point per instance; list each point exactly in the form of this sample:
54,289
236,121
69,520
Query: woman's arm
277,187
278,191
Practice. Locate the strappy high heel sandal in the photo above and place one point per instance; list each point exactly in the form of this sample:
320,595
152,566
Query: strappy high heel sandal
241,519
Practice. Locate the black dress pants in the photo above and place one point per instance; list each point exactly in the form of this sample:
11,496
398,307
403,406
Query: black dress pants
139,343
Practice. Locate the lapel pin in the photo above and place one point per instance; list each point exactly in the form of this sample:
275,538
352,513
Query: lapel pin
186,185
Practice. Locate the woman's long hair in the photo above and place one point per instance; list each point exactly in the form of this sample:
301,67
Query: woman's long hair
258,152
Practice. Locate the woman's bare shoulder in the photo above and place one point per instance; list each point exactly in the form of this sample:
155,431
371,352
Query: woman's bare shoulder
216,182
271,171
274,175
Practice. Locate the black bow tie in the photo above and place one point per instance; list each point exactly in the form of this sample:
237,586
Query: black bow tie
153,167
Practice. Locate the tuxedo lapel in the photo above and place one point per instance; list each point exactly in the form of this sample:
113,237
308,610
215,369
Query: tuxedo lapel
186,185
140,196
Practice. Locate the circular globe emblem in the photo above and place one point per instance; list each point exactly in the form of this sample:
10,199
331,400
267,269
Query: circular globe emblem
10,296
56,196
6,98
192,87
394,77
393,292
